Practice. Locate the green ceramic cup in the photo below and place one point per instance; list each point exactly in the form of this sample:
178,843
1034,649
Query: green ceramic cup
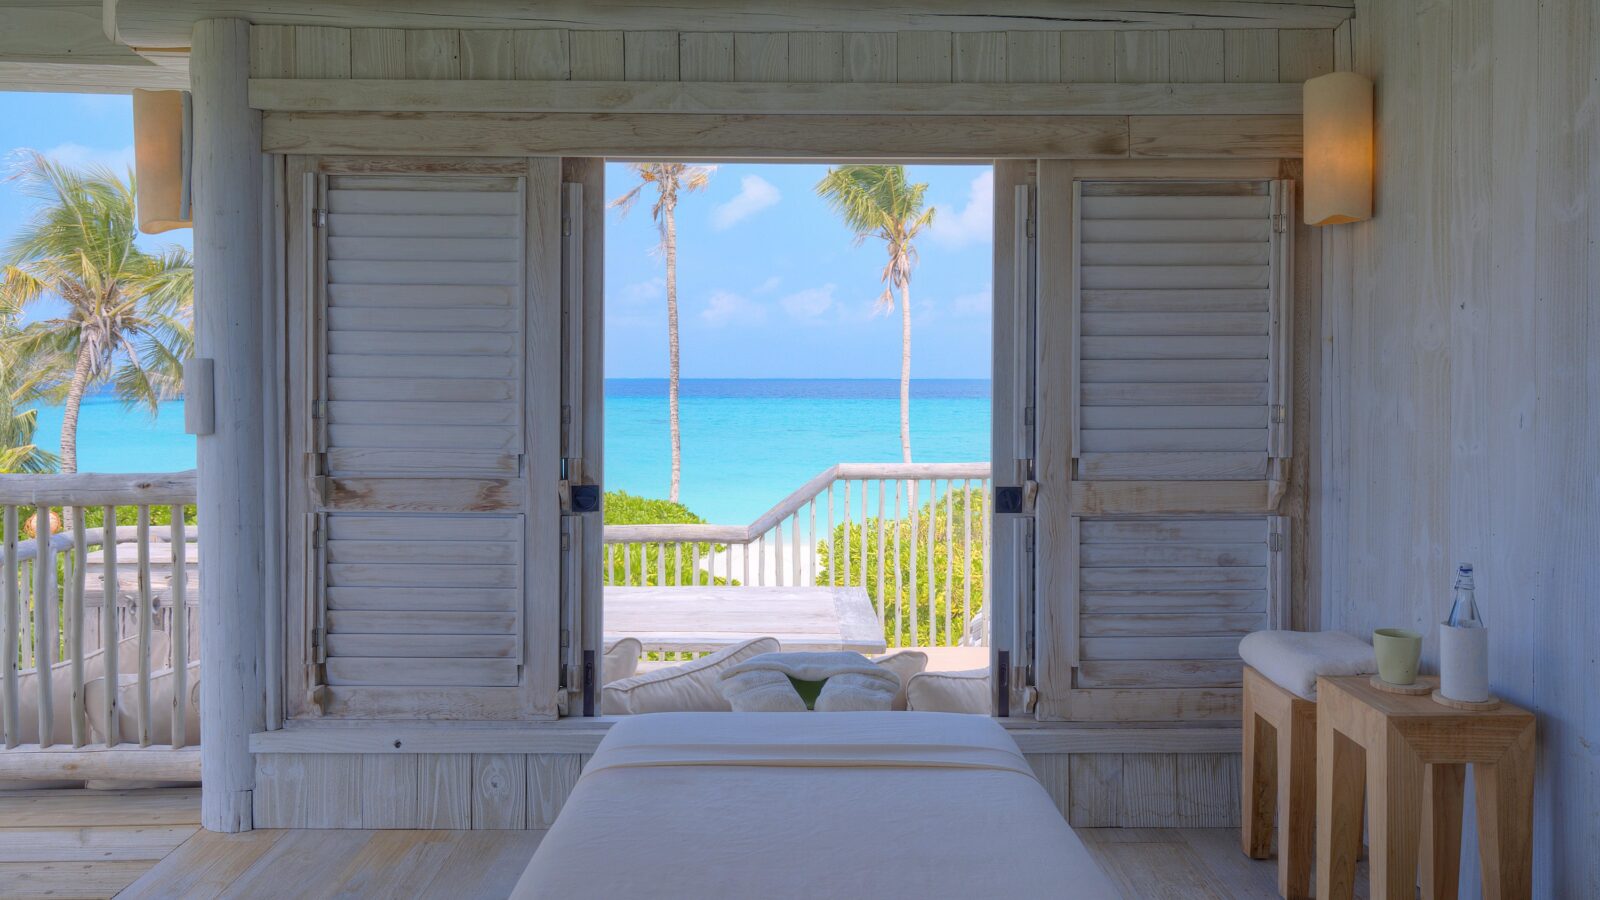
1398,652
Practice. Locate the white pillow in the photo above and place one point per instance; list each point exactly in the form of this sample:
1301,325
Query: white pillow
903,664
1293,659
690,687
621,660
161,706
94,666
957,692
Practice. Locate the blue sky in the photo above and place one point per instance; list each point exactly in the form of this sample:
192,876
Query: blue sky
770,284
79,129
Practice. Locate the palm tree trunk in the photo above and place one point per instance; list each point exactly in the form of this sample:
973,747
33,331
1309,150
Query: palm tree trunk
69,416
905,372
669,241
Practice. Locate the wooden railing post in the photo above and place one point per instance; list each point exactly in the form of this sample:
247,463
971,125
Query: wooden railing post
232,467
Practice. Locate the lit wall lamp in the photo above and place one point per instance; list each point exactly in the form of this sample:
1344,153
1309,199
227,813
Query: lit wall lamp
162,133
1338,148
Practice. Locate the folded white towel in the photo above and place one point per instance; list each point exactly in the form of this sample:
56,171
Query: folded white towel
851,683
1293,659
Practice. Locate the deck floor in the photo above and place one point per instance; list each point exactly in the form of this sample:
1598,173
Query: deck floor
147,844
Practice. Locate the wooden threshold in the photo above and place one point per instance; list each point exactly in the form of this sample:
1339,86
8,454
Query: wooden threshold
574,737
771,98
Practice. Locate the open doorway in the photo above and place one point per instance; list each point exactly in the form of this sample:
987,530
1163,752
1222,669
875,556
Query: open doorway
797,427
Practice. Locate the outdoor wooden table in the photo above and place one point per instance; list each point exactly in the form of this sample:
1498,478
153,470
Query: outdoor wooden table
1415,756
676,619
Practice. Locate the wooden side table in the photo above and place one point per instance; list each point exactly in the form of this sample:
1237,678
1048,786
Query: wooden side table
1410,754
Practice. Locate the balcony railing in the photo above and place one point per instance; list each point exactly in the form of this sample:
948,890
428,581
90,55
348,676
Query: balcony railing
107,616
914,536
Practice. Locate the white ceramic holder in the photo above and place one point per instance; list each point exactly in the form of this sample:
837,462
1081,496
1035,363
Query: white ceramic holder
1464,663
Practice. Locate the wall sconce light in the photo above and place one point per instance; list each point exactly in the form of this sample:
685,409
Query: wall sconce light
162,133
1338,149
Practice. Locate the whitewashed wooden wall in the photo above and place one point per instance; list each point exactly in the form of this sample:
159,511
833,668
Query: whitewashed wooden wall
1187,56
1461,364
526,791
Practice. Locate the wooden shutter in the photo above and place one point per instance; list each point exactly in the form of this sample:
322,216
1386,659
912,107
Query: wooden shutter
1165,302
1162,605
1181,332
434,429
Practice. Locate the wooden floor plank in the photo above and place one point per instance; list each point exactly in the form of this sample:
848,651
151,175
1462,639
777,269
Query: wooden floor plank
394,863
490,861
113,844
203,866
305,863
47,809
1166,870
75,879
1218,850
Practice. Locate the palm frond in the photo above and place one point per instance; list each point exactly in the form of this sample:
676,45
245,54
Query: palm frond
129,312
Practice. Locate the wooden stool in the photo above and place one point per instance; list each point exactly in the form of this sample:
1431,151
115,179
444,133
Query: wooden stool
1409,755
1279,768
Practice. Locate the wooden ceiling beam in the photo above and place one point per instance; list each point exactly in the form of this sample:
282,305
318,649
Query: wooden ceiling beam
766,98
61,45
169,22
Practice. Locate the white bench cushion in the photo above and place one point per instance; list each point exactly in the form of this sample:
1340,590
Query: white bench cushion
952,692
1293,659
690,687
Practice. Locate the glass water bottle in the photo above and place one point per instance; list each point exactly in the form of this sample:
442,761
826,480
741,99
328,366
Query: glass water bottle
1464,645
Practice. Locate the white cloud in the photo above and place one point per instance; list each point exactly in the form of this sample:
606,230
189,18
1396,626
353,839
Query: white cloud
971,224
978,303
755,194
770,285
80,157
728,308
810,303
645,291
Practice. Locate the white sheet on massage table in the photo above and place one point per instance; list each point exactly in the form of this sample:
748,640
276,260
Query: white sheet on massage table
779,805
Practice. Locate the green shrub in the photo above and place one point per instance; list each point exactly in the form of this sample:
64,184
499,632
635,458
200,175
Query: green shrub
642,564
942,594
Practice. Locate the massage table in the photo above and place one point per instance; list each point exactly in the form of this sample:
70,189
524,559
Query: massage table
803,805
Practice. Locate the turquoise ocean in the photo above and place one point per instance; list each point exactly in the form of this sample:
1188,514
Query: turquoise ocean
746,442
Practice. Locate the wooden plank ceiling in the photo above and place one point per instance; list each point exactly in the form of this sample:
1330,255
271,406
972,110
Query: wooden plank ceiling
168,22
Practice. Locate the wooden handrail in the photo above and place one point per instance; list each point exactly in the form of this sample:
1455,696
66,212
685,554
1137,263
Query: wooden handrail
98,489
788,506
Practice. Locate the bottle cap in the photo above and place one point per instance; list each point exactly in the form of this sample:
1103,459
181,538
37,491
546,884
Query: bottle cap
1464,569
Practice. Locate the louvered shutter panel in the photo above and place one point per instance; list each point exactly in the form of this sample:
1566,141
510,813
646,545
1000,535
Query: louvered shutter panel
1163,602
421,545
1180,329
1181,301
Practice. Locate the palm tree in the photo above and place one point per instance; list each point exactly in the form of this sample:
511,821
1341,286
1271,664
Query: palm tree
877,201
18,453
669,179
128,313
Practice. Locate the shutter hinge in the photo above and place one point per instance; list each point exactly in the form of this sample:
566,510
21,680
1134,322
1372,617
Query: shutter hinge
316,532
319,641
321,218
1275,542
1029,226
566,542
566,225
1279,414
1279,223
319,409
1027,415
566,414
